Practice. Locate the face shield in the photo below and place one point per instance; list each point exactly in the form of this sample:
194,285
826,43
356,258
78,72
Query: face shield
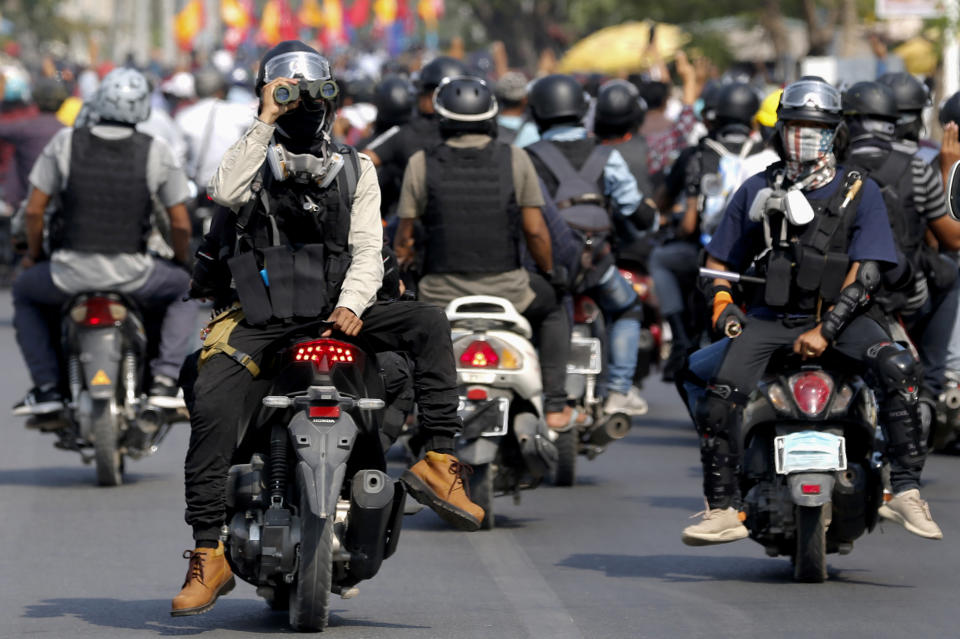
312,71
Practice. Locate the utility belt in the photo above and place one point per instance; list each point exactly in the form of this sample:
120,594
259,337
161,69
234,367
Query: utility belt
216,339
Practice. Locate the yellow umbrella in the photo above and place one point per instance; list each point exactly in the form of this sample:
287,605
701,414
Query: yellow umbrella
918,55
621,48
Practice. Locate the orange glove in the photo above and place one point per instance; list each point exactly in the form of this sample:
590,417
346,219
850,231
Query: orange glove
720,301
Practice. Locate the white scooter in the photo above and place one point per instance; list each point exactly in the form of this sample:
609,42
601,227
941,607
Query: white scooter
504,436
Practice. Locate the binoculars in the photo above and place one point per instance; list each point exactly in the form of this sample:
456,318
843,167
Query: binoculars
316,89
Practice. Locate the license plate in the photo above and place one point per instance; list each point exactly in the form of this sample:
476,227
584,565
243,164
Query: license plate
809,451
584,356
490,415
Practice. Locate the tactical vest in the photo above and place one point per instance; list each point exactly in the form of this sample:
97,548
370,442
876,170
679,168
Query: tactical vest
635,153
107,203
577,194
471,220
289,262
807,274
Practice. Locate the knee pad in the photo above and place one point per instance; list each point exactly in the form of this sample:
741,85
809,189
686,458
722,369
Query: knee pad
717,422
896,369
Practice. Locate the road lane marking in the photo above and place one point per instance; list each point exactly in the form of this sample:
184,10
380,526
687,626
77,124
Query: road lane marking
539,608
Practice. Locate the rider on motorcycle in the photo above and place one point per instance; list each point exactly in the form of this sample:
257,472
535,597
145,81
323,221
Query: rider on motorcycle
558,105
475,197
292,193
104,178
820,276
916,205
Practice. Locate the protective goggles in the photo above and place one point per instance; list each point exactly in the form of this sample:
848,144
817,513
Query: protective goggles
811,94
311,69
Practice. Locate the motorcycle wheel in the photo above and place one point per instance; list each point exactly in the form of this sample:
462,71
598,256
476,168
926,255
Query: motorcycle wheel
310,592
810,561
567,444
106,429
481,492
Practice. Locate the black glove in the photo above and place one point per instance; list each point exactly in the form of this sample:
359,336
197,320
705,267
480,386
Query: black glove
559,280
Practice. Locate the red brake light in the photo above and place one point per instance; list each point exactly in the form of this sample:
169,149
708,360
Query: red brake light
810,489
585,310
476,394
325,412
98,311
324,354
479,354
811,391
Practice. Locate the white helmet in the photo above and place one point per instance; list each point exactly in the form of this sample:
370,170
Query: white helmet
123,96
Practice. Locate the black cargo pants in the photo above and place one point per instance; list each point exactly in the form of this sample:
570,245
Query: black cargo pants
221,386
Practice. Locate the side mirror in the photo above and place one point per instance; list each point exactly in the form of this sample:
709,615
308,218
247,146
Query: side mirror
953,191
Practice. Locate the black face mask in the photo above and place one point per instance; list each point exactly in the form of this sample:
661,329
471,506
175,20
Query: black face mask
299,130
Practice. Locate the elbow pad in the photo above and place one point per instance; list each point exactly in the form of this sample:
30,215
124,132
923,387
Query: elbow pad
644,216
852,298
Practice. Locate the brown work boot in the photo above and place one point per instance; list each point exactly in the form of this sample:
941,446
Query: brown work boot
208,577
437,481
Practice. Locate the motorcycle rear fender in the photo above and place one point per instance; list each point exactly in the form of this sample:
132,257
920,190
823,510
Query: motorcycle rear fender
100,351
824,480
323,447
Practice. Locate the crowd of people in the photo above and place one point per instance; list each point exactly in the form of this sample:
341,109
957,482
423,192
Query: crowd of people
531,189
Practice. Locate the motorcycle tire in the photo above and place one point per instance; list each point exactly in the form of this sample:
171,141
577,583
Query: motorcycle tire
568,444
310,592
105,420
481,492
810,560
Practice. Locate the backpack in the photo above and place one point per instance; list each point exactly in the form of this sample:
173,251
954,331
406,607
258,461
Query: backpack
577,197
717,187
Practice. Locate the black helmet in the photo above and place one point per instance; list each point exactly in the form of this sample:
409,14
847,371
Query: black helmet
465,105
360,88
950,109
737,102
619,108
433,73
910,93
557,98
870,99
49,94
811,99
393,98
709,96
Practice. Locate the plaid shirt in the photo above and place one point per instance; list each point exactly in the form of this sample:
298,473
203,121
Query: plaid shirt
666,145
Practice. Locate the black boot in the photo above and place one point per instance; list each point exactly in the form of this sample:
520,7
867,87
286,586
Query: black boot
678,348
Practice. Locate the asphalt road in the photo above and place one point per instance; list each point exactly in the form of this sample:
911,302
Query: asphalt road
603,559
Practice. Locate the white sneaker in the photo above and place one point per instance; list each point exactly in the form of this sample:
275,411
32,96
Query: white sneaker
913,513
718,526
630,403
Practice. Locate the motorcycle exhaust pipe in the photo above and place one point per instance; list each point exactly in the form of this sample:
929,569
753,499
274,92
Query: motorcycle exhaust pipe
371,504
616,427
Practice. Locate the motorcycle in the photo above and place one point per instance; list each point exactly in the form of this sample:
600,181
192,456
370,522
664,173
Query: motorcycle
310,507
105,347
504,435
812,465
946,419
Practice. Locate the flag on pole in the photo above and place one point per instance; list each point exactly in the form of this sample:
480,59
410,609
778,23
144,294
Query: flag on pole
188,23
311,15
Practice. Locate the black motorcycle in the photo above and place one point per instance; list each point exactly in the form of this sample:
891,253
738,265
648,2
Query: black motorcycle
310,507
811,474
105,347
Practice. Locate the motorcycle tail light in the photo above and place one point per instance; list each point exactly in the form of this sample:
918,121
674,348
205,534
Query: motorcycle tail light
842,401
98,311
324,412
585,310
811,391
479,354
324,354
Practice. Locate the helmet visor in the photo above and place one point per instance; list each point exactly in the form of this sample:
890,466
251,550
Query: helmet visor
297,64
810,94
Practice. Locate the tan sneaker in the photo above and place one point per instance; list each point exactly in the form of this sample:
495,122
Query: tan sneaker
718,526
208,577
913,512
437,481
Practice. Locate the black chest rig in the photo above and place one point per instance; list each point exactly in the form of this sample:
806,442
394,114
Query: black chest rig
291,253
805,266
471,219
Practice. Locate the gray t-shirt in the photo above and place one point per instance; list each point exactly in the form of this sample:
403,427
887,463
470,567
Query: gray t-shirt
73,271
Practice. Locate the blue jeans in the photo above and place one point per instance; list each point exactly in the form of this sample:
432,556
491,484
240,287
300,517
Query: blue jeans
935,332
668,264
616,297
704,364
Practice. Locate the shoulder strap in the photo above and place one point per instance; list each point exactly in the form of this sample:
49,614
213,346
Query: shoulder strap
838,211
592,169
556,162
351,175
246,212
897,166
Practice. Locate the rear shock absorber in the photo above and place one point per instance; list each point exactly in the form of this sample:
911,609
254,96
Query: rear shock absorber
74,375
278,465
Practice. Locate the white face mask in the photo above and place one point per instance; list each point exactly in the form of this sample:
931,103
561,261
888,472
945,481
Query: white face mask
807,144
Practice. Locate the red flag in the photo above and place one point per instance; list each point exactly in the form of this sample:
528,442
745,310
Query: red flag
359,13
